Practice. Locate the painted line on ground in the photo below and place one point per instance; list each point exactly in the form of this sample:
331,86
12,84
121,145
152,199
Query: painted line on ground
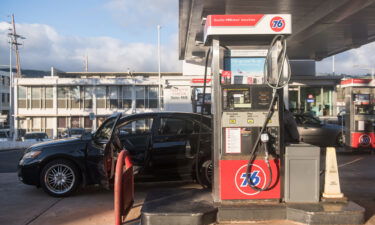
351,162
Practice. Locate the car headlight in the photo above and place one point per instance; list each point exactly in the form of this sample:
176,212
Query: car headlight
31,155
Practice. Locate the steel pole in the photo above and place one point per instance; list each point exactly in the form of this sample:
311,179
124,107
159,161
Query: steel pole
11,113
159,90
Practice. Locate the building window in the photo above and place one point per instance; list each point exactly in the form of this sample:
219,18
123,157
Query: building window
61,122
74,122
62,97
74,97
100,96
126,97
146,97
112,97
88,97
49,97
36,124
36,97
87,123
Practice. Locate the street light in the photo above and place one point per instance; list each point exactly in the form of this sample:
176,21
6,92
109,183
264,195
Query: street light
159,90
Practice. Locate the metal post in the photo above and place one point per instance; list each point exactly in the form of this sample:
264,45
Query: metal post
216,102
159,90
11,111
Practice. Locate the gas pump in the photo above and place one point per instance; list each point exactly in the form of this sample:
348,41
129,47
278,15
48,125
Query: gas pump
359,118
249,75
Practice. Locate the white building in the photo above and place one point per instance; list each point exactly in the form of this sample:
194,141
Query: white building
84,99
4,98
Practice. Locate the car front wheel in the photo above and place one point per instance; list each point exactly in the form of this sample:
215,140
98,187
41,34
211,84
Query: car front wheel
59,178
206,172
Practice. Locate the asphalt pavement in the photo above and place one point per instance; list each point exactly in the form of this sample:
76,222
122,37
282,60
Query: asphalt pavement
22,204
9,160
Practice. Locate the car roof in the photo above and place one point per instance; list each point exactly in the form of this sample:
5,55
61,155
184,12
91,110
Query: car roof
161,113
146,114
35,132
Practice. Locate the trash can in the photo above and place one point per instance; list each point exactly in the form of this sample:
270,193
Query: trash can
302,165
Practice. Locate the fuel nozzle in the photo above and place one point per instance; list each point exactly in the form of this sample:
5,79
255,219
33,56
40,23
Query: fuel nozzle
264,138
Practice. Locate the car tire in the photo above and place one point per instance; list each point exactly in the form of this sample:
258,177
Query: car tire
60,178
340,140
206,173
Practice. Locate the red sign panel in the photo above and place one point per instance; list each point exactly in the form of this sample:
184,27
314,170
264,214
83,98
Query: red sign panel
363,140
200,80
233,20
356,81
235,185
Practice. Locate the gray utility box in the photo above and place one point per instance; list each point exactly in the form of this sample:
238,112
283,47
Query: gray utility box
302,165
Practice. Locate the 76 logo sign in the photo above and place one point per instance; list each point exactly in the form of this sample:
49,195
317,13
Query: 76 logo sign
244,181
277,24
253,178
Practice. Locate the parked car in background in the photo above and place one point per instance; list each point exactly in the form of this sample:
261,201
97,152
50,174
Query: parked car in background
73,132
161,145
4,134
315,132
35,137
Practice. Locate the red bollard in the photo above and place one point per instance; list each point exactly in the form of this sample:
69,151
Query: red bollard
124,187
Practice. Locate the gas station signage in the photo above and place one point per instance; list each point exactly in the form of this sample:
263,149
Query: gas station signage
250,24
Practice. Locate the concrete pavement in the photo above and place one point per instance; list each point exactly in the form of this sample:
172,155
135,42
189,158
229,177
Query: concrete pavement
21,204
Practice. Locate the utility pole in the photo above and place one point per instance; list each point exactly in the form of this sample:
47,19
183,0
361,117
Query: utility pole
16,44
159,99
13,43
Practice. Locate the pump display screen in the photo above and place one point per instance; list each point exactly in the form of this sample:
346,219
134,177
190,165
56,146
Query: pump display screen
245,70
246,97
237,98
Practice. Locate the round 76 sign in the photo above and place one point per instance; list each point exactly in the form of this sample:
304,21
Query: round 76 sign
235,183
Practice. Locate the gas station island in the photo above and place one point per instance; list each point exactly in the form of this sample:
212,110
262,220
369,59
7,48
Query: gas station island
260,171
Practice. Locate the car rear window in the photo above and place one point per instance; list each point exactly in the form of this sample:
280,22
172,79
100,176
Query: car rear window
170,126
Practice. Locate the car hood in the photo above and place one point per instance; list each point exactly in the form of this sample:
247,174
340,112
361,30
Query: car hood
65,141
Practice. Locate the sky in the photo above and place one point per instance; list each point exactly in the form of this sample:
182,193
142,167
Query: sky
117,35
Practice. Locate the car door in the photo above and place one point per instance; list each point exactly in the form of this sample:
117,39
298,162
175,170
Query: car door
171,145
135,135
101,150
311,130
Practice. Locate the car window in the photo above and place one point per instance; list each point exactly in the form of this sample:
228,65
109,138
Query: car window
172,126
139,126
310,120
104,132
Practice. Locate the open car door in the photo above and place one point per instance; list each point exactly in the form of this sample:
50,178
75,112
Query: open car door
103,151
112,148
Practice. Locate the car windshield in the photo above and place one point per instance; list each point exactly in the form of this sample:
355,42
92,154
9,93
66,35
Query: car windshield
36,136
